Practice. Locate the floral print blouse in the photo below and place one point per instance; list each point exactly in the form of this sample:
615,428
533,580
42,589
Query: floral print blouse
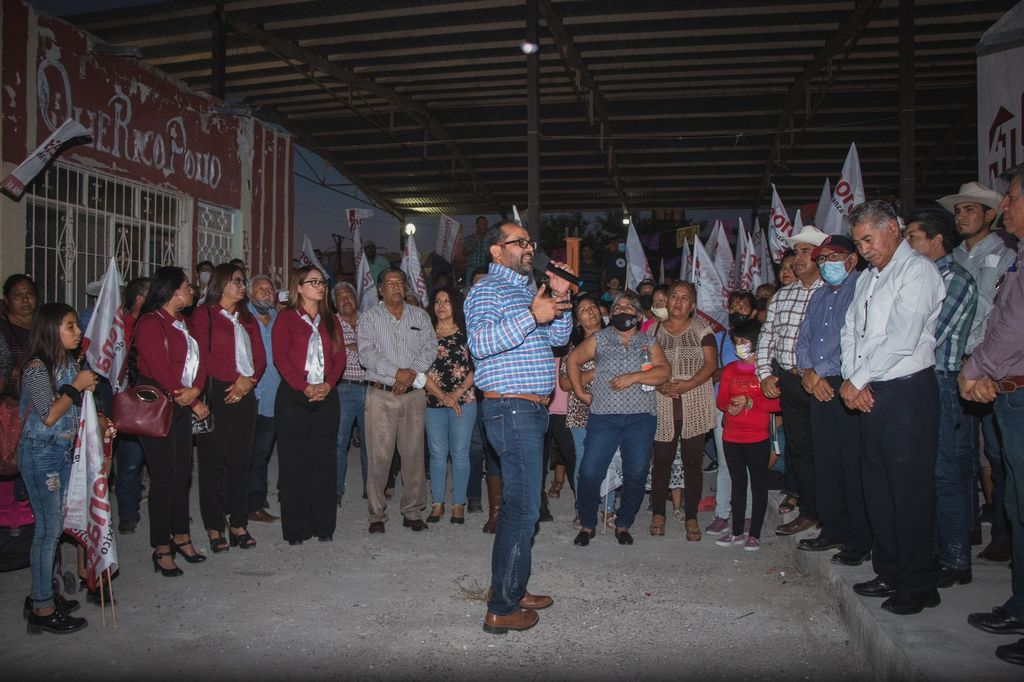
452,364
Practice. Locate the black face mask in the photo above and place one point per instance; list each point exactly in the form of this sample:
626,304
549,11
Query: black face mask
623,321
262,308
736,319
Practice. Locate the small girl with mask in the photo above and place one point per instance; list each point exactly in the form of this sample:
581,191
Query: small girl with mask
746,438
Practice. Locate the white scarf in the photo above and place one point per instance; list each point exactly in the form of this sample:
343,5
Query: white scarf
188,373
314,351
243,348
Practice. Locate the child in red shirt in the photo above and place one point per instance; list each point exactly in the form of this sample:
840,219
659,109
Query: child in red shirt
745,435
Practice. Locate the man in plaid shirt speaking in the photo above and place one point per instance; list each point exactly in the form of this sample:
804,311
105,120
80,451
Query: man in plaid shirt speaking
511,331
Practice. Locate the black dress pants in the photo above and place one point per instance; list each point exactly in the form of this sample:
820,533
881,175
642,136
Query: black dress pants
306,438
224,457
170,472
743,459
901,440
836,434
796,418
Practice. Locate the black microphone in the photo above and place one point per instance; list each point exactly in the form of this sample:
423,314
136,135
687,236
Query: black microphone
564,274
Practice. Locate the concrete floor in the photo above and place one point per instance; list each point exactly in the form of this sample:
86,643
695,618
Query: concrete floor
391,607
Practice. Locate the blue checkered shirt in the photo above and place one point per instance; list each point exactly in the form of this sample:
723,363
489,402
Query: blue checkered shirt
953,328
511,351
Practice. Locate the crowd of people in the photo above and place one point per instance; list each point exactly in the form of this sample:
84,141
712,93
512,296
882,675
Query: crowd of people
880,379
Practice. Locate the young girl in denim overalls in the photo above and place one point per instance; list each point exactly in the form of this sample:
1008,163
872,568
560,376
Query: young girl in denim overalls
51,395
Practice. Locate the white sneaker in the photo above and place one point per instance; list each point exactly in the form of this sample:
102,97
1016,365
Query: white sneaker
730,540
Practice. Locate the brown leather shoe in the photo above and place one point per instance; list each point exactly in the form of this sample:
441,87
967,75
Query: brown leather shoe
376,527
797,525
523,619
997,550
263,516
529,601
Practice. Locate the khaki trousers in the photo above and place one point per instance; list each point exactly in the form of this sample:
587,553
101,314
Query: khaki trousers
395,419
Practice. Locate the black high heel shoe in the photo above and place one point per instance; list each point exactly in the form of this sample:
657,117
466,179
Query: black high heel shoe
165,572
195,558
242,540
219,544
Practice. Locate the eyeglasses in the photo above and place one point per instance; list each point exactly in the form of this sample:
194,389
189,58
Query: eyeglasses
832,258
315,283
522,243
239,282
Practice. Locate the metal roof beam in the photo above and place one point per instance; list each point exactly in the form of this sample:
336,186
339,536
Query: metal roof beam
849,30
588,94
417,111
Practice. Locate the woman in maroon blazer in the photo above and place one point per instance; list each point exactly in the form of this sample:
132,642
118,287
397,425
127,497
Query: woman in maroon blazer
309,352
168,356
230,339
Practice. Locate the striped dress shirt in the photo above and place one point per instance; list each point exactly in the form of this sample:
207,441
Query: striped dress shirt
782,326
956,315
512,352
986,261
387,345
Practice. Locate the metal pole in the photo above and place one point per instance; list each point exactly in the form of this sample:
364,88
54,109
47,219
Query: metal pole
907,147
533,120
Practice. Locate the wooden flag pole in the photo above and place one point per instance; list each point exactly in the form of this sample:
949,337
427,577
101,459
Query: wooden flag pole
572,256
110,593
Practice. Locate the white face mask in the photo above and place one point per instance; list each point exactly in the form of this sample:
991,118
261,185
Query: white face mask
204,277
660,313
744,351
604,318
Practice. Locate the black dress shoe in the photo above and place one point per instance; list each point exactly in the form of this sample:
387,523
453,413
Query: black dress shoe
999,622
623,536
953,576
415,524
584,537
165,572
58,623
546,516
847,556
818,544
376,527
295,543
127,526
1011,653
59,603
909,604
875,588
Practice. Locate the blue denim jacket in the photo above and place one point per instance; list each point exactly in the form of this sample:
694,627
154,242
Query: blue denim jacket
66,427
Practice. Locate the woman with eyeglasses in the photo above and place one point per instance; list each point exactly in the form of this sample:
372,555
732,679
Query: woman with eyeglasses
168,356
309,352
228,335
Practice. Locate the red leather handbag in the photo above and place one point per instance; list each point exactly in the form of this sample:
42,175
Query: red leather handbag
143,410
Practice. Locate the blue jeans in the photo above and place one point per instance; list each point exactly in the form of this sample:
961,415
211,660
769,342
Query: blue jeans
262,447
1009,411
981,418
128,484
45,465
633,436
515,428
579,439
353,401
954,480
449,434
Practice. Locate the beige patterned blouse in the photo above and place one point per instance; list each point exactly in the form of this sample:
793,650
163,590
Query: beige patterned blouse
685,354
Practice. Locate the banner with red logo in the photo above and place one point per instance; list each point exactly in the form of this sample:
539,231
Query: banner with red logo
104,340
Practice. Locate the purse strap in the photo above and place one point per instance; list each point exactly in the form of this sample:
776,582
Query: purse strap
124,367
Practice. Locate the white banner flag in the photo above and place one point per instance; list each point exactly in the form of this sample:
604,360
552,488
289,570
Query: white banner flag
745,261
711,291
780,227
86,502
661,272
686,264
848,195
366,288
637,267
824,204
309,257
723,258
763,256
447,237
15,183
712,240
515,216
798,222
411,268
613,477
356,218
104,341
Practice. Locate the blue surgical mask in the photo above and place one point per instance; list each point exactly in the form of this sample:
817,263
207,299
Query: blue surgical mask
834,272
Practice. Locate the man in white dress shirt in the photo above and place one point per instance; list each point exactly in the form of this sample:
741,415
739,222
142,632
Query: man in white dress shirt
888,349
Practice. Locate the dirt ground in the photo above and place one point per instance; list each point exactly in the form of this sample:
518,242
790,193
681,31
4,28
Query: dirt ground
404,605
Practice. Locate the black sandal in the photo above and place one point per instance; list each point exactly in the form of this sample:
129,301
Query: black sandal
194,558
242,540
219,544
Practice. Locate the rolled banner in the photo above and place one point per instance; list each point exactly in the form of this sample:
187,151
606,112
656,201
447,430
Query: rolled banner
15,183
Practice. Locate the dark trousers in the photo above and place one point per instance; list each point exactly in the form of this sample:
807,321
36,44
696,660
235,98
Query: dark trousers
751,459
128,480
979,418
224,456
560,434
835,432
262,447
307,433
796,416
901,437
1009,410
170,471
693,474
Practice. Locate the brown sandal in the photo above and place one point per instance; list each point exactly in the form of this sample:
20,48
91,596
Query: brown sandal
788,504
658,525
692,531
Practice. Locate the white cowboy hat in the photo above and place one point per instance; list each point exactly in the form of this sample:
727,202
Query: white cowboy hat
93,288
971,192
808,235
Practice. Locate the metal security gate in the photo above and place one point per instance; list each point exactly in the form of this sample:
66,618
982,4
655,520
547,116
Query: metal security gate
79,219
218,236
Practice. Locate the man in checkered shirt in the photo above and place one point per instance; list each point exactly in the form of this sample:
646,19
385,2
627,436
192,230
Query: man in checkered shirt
776,365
